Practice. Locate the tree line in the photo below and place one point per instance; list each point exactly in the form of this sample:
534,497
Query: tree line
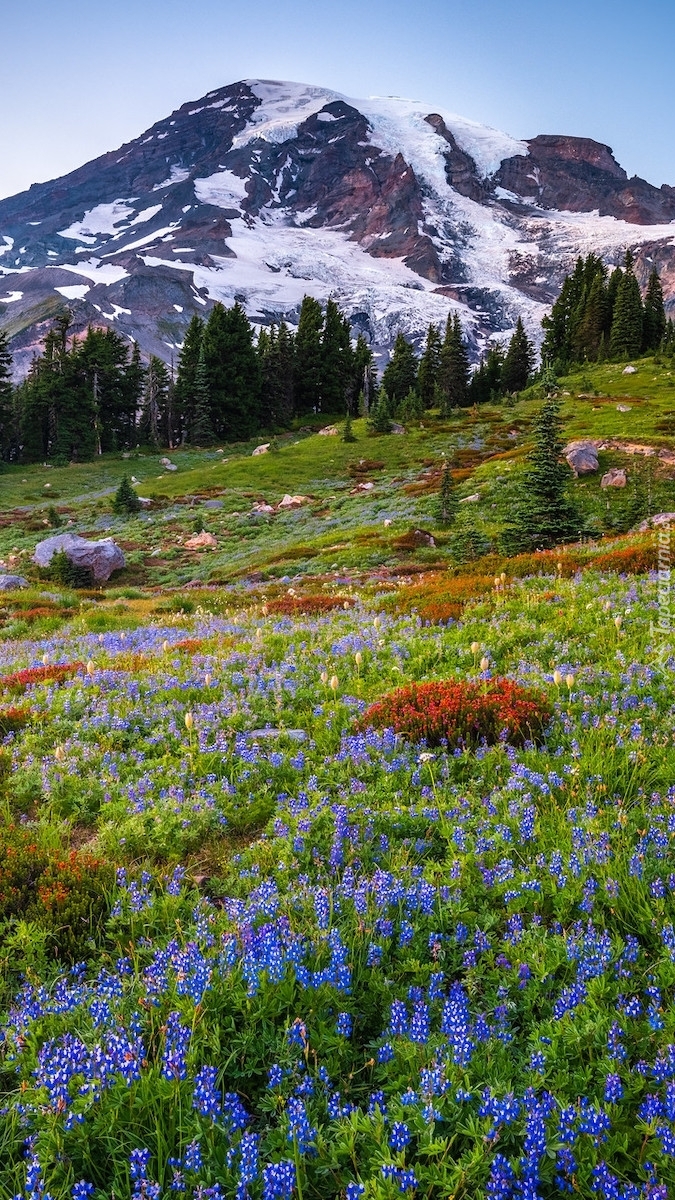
601,315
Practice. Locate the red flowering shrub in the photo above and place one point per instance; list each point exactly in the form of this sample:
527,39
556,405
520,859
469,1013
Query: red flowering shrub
49,674
191,644
63,893
291,606
13,719
461,712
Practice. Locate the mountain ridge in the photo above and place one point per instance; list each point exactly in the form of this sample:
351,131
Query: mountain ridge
264,190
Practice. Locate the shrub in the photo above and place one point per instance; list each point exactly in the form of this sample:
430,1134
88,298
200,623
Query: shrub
62,893
12,719
290,606
463,713
19,680
126,501
68,574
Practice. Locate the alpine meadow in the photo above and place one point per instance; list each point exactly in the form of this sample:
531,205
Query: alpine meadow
337,706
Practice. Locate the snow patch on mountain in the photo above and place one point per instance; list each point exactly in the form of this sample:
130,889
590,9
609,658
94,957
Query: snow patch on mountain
74,291
224,189
94,269
177,174
103,218
284,107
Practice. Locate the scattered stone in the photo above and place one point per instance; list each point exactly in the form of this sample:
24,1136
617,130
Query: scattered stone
261,509
387,522
11,583
264,449
213,504
615,477
145,501
661,519
396,428
201,541
629,370
171,467
582,457
623,408
329,431
470,499
165,462
366,486
101,557
292,501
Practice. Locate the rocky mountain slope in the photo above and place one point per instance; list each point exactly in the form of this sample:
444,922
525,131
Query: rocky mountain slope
263,191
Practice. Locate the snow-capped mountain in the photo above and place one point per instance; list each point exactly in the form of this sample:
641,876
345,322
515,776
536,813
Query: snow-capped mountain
264,191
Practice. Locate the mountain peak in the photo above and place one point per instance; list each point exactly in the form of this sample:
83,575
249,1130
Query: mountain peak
265,190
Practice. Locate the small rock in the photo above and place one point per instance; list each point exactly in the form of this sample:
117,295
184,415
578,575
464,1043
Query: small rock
213,504
329,431
264,449
629,370
292,501
615,477
201,541
423,537
387,522
11,583
582,457
470,499
367,486
296,735
261,507
661,519
623,408
396,428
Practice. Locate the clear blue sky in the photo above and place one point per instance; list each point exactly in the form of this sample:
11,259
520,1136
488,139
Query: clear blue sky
78,79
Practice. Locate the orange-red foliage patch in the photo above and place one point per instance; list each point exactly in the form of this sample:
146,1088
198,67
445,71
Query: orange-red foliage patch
291,606
49,674
461,713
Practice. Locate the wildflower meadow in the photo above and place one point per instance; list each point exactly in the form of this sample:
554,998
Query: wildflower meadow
314,900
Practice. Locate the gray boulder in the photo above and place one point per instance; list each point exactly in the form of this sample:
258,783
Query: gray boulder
101,558
615,477
11,583
582,457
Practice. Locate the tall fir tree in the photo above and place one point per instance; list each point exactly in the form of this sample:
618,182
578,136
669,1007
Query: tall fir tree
454,377
233,371
134,380
276,351
7,429
627,319
654,323
200,430
364,376
400,374
337,381
486,381
308,375
594,324
185,376
518,362
429,370
155,395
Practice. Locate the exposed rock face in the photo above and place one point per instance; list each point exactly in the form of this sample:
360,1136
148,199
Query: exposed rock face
265,190
582,457
579,175
100,558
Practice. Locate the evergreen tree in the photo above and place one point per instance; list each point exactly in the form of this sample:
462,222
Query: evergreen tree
102,361
486,381
7,431
155,394
518,362
545,515
400,374
337,382
233,372
654,325
447,498
185,375
126,501
348,434
627,319
134,380
200,430
454,377
364,375
276,352
594,323
380,414
308,374
411,408
429,370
